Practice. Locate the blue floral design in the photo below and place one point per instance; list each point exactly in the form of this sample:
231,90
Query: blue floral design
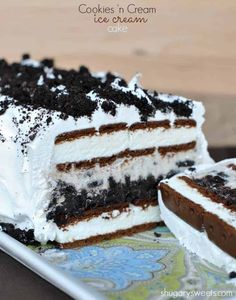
119,265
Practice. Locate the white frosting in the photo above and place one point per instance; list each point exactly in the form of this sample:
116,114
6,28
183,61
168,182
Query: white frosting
31,63
100,225
195,196
40,80
195,241
24,178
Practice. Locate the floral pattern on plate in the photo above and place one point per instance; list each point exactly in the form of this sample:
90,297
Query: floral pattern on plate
119,265
140,267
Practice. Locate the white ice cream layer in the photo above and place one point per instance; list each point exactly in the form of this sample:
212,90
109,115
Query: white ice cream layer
102,145
195,241
135,168
134,216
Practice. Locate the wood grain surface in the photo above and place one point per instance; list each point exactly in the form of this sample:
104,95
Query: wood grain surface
188,47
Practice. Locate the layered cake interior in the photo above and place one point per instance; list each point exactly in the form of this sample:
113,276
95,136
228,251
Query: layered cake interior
82,152
199,207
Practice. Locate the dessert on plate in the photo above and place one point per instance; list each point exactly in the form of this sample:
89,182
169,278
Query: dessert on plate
199,207
81,153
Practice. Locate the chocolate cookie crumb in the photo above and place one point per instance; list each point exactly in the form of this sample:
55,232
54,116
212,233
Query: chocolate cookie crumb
232,275
157,234
36,84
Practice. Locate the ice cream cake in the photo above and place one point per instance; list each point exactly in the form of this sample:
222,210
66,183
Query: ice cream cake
81,153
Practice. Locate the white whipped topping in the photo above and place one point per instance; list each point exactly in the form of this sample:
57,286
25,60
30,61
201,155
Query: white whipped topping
31,63
41,80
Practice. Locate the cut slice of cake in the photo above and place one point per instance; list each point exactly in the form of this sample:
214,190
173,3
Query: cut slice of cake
82,153
199,207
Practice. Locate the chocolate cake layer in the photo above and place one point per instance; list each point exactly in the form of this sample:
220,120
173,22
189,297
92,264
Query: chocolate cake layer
150,125
190,212
185,123
219,232
72,135
109,236
69,136
214,188
108,128
76,203
176,148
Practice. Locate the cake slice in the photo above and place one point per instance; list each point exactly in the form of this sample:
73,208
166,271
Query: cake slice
199,207
81,153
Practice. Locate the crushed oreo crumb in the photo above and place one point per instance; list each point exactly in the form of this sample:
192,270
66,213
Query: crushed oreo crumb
67,202
171,174
157,234
2,138
25,56
216,184
38,87
185,163
23,236
232,275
